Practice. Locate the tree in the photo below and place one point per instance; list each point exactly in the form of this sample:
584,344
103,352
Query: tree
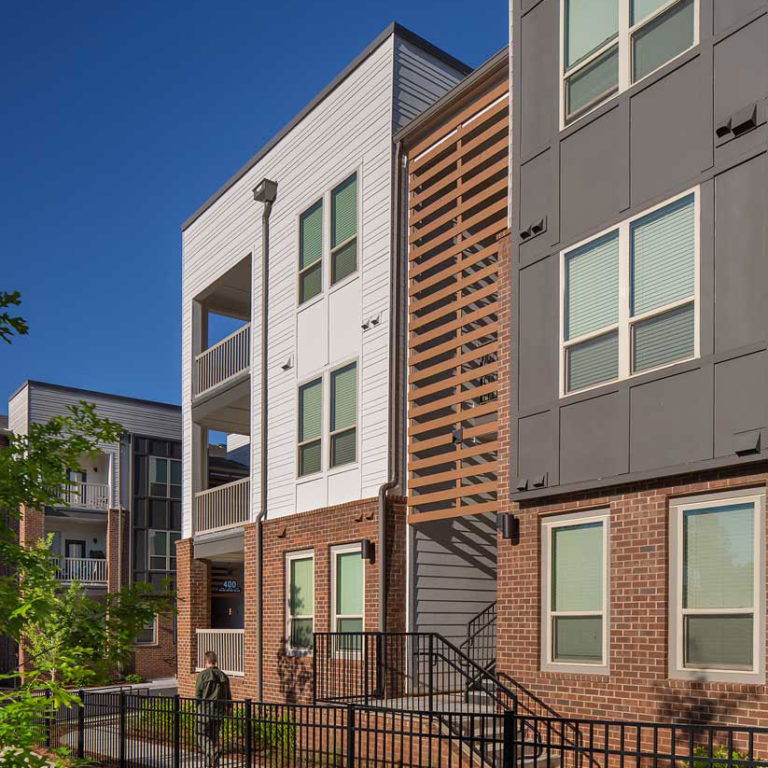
68,638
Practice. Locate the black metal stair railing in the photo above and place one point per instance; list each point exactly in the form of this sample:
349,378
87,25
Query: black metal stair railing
480,644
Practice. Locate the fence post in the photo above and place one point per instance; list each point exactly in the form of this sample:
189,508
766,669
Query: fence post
248,735
510,743
430,672
176,731
314,668
379,666
364,640
121,731
49,717
81,725
350,736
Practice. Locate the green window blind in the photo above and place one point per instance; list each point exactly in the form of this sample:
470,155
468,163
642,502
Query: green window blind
344,397
718,557
176,473
663,339
578,638
344,211
592,286
302,595
310,410
158,470
662,39
720,642
577,567
663,257
349,584
311,235
593,82
589,25
593,361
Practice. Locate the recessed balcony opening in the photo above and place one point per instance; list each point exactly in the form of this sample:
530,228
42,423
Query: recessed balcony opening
79,542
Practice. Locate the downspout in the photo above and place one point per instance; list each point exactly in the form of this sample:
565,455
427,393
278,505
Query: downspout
265,192
395,382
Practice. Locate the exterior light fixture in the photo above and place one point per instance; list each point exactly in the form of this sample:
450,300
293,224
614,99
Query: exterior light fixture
367,550
509,526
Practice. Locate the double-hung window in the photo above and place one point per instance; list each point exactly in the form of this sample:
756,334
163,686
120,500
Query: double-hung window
311,427
717,586
148,633
575,592
300,599
342,245
610,44
629,297
162,550
347,589
344,415
164,477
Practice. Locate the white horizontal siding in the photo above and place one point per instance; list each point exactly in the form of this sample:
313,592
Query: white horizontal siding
18,412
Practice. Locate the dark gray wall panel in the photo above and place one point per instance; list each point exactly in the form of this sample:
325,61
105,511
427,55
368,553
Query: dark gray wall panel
537,447
742,52
594,174
741,266
730,12
538,96
671,421
594,437
539,334
538,182
454,573
740,402
670,138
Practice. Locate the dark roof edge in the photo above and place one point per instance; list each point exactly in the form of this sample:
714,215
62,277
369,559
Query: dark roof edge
393,29
425,118
80,391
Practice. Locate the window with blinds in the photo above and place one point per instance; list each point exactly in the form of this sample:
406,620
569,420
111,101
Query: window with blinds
344,229
310,427
344,415
575,589
598,34
311,252
719,584
300,595
348,588
612,330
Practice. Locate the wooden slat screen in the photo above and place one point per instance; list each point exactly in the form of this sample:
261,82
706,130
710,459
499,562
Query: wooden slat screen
457,212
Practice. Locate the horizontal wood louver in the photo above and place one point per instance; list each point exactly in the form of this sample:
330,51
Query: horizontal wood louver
457,204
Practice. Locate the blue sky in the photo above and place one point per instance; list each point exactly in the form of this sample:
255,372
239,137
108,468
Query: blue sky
119,119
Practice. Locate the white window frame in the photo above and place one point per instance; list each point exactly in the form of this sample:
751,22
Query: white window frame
332,433
299,443
337,550
548,526
154,641
326,270
168,484
626,321
150,533
677,668
290,557
624,42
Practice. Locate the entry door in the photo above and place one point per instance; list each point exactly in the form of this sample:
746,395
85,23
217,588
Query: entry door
75,548
227,612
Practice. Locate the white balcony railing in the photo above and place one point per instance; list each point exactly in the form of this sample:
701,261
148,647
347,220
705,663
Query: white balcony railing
225,506
85,570
227,644
90,495
223,361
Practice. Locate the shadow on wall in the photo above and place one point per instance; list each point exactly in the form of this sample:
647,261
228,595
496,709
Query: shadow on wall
295,676
696,703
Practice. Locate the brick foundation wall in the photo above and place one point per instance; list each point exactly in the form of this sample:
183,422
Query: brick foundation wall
638,686
289,678
159,660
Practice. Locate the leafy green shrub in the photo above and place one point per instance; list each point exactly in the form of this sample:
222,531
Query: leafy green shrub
133,678
719,752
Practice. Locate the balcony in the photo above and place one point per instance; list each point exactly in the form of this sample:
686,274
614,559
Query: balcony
85,495
227,644
88,571
223,362
222,507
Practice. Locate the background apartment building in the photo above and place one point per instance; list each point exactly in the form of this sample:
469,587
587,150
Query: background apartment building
637,402
299,250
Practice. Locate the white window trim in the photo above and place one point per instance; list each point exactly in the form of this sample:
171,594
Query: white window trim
548,525
626,321
290,557
168,556
168,483
335,551
326,268
154,640
676,651
331,432
624,42
299,443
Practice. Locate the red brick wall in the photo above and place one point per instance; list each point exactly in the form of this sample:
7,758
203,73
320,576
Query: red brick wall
159,660
638,686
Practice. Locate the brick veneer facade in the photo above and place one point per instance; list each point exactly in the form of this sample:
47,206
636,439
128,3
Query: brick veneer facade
289,678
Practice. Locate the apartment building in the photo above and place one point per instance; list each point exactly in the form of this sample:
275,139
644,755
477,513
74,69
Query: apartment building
121,510
299,253
635,466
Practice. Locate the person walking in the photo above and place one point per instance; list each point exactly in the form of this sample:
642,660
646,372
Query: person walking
213,695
